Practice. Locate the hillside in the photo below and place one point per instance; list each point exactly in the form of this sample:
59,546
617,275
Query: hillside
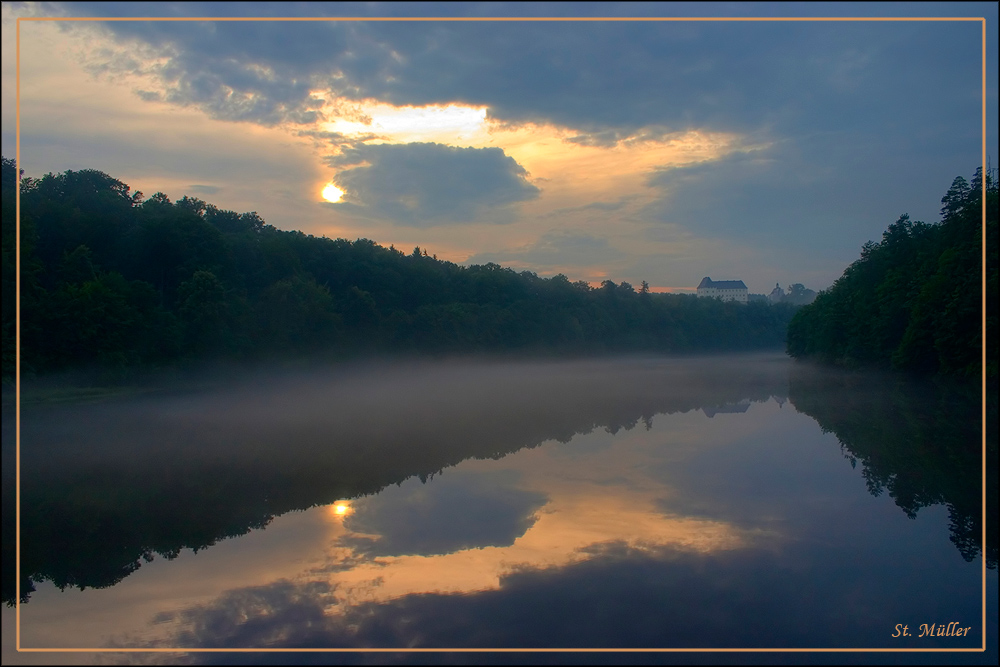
115,280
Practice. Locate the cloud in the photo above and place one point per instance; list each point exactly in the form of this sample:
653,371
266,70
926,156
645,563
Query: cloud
425,185
608,79
325,139
610,138
149,95
612,82
461,510
619,597
260,72
275,613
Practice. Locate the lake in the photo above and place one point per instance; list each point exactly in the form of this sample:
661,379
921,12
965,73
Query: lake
739,502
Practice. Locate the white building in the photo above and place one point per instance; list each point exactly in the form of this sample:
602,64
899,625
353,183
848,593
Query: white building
727,290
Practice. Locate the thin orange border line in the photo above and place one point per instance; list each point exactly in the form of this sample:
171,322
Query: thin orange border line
982,336
499,18
17,349
17,344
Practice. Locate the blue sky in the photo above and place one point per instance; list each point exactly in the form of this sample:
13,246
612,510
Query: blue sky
625,150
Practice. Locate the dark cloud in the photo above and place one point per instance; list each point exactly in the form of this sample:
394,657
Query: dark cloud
913,87
620,597
247,616
614,137
424,185
336,139
459,510
260,72
605,78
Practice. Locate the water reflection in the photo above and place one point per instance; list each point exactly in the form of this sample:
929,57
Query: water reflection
457,512
106,488
464,516
409,551
618,597
920,441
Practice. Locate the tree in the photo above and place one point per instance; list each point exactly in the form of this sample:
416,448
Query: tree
204,312
912,301
956,198
296,314
799,295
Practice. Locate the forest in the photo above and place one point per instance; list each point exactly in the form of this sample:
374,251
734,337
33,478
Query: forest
913,302
113,280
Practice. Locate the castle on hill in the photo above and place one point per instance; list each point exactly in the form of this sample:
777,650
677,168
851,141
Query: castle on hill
726,290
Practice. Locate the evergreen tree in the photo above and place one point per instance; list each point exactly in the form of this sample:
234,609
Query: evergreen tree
913,301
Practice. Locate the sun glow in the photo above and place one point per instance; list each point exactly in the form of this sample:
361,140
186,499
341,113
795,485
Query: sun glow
332,193
387,123
339,509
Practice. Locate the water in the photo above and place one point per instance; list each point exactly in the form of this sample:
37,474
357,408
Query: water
736,502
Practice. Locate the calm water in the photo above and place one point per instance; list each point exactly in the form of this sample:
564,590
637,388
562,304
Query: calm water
743,502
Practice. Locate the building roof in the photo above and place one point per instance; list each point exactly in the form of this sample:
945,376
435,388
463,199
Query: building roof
721,284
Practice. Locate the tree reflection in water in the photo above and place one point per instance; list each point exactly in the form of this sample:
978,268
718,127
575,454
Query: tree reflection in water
919,440
107,487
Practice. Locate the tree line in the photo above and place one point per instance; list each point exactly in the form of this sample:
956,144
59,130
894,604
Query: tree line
113,279
913,302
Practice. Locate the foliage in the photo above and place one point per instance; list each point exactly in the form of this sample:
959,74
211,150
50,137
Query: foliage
913,301
799,295
110,279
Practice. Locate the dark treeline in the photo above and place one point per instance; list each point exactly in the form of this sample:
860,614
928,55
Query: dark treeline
913,301
112,279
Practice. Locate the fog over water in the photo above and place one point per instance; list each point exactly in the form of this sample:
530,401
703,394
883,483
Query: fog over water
740,501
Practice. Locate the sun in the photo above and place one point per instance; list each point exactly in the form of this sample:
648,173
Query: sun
332,193
339,509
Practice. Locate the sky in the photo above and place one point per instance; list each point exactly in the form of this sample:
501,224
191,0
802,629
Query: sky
664,151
